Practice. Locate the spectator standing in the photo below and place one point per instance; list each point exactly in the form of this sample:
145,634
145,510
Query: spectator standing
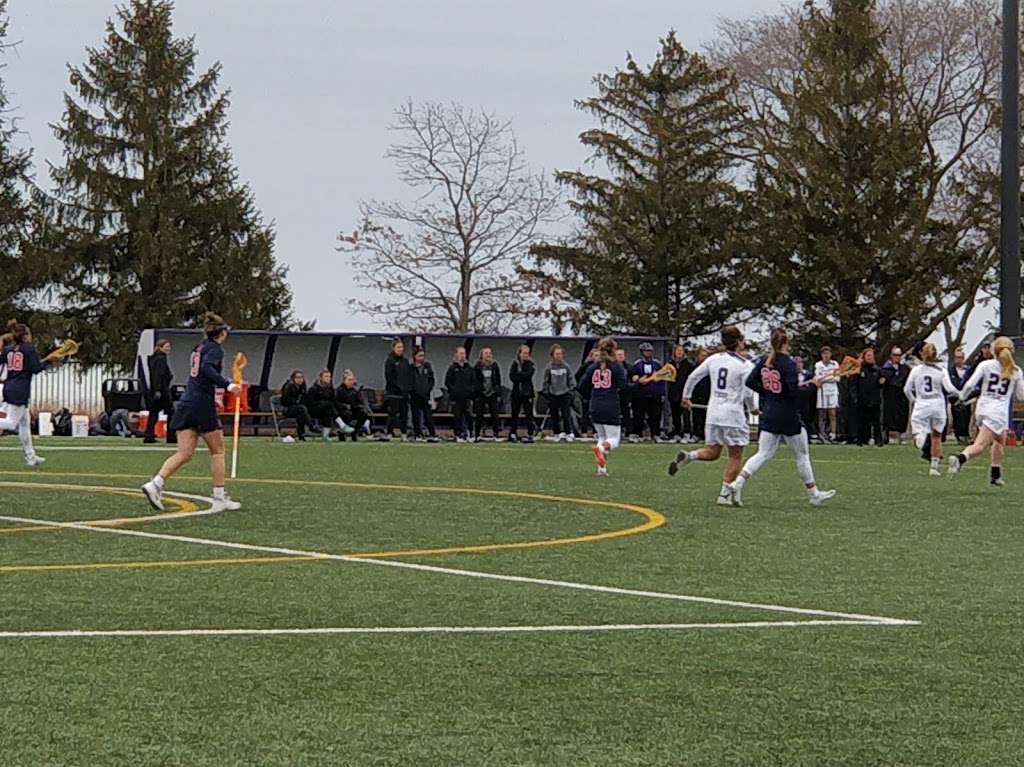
895,405
293,395
700,399
558,388
682,421
586,425
421,397
352,406
626,396
158,397
809,414
398,383
650,395
488,376
461,384
520,376
869,400
959,372
828,395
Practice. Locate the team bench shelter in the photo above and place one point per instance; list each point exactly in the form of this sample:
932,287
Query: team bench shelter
273,355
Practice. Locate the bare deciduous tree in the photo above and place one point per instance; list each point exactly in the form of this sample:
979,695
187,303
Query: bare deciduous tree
447,261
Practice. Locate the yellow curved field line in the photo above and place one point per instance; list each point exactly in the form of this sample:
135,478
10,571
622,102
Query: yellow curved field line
181,506
652,520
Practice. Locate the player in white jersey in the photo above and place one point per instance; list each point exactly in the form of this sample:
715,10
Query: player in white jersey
1000,381
828,393
731,401
926,388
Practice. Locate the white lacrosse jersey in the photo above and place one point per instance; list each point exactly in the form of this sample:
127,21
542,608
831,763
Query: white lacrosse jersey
996,391
730,398
927,387
824,368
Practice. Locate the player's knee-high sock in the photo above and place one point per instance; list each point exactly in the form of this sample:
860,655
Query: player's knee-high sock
25,436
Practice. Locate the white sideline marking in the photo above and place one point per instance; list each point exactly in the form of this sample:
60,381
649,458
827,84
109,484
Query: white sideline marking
601,627
44,448
853,617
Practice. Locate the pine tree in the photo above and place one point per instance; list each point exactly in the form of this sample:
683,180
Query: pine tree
16,276
154,225
843,233
655,248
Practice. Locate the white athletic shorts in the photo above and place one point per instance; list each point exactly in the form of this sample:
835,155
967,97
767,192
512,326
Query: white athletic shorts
927,420
608,433
828,399
998,425
727,436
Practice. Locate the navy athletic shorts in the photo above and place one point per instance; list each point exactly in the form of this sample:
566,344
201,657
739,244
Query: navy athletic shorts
200,418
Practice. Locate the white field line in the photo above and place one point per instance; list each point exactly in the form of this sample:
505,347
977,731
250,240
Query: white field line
605,627
873,619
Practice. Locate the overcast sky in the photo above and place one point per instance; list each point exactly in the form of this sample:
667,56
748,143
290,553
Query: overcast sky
314,84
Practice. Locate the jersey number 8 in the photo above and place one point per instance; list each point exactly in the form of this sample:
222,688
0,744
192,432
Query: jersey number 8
195,362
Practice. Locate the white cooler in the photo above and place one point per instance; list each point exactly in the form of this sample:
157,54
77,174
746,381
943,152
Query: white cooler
79,426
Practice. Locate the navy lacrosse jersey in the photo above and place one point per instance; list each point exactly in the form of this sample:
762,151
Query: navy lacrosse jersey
782,397
604,382
205,377
21,361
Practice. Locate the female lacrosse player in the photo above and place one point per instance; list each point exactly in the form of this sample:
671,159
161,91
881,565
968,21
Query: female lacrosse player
196,415
783,400
1000,381
730,401
603,381
19,357
926,389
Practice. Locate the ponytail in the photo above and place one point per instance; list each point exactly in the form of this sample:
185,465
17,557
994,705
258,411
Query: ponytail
1003,349
779,342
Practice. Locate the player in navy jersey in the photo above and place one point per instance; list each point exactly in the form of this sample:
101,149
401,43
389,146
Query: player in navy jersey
783,400
20,361
603,381
196,415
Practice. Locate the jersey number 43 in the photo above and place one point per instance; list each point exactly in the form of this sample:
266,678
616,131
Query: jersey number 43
602,379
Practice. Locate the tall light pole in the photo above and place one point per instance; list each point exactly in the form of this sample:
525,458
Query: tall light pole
1009,292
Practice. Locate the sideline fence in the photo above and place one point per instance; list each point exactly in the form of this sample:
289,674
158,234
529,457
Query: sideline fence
70,385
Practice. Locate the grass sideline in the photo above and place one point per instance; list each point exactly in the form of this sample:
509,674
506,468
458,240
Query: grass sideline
894,543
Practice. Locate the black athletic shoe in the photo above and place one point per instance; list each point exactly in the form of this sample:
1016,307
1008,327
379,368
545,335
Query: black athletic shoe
681,459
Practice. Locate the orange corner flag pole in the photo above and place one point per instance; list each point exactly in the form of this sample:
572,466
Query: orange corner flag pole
237,368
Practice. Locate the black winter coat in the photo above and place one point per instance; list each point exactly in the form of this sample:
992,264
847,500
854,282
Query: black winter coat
423,383
520,375
461,381
160,377
292,394
398,376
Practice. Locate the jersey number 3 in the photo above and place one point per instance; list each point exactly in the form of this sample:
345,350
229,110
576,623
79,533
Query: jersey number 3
771,380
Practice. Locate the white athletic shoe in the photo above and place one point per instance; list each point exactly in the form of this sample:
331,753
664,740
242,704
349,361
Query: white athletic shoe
723,500
998,482
954,466
570,437
934,473
735,495
602,471
821,496
35,460
225,504
154,495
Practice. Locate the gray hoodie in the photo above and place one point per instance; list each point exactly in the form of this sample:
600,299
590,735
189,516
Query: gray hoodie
558,379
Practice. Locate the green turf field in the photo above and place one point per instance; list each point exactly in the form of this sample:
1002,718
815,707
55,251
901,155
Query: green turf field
565,677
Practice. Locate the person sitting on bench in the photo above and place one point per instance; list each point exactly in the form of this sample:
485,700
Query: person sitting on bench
352,406
292,395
